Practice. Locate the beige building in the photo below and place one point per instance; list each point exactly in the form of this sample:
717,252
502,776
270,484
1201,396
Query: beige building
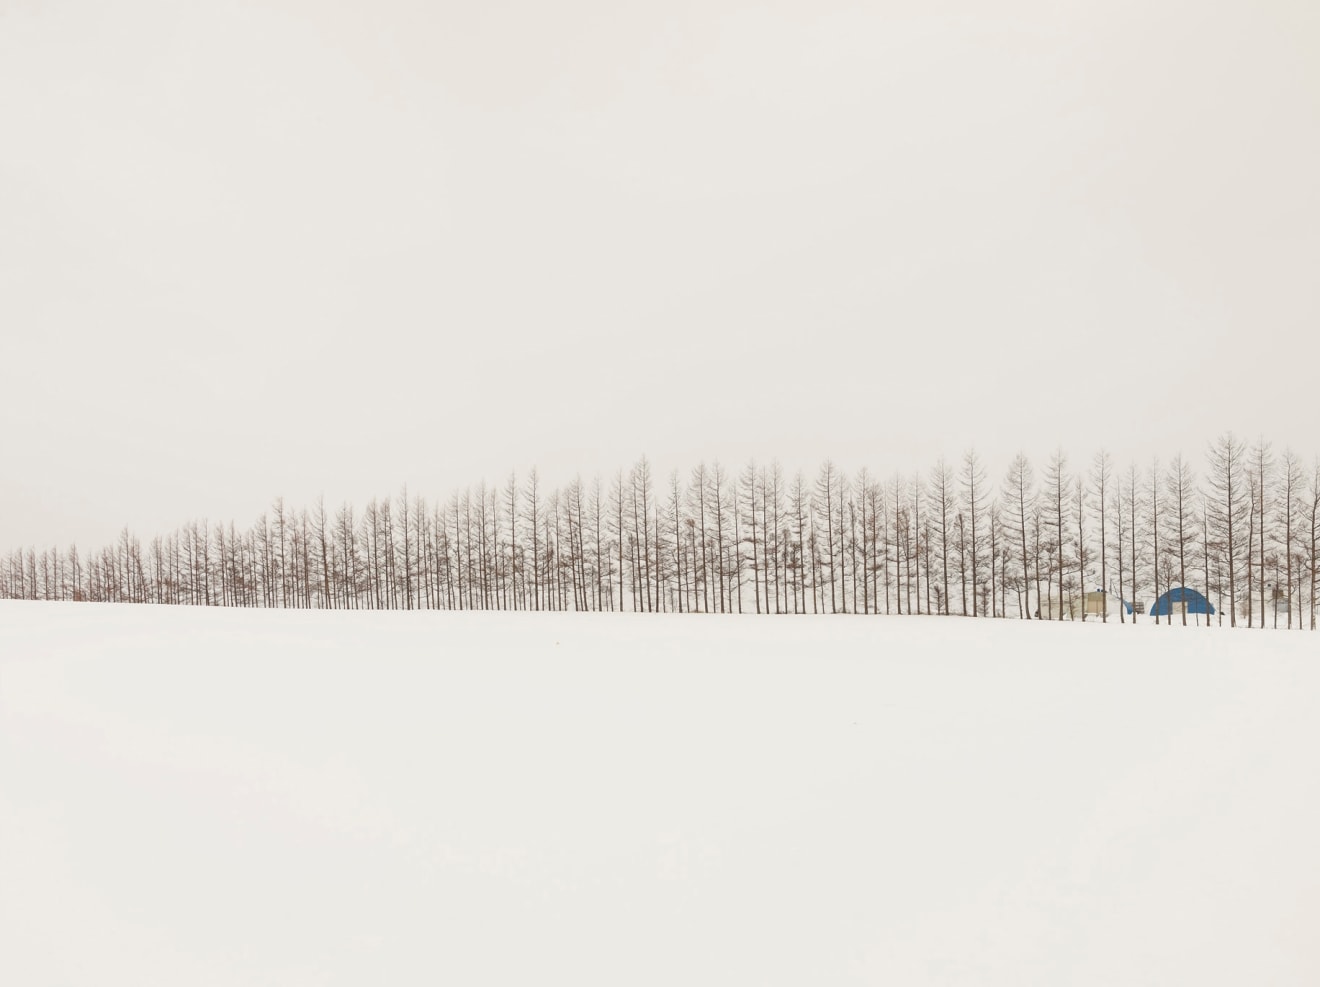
1074,604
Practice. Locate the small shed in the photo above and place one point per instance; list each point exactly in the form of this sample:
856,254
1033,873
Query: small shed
1181,599
1098,601
1093,603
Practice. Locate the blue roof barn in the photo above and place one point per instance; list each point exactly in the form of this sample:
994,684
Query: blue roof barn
1179,597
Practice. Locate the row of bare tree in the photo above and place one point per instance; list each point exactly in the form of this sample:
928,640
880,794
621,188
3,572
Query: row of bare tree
947,541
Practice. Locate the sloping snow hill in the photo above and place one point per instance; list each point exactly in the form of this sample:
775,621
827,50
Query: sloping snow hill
206,797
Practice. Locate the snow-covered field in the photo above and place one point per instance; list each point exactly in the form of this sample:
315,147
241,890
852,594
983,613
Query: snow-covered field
195,797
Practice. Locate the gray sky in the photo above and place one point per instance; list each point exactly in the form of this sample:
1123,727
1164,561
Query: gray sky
310,246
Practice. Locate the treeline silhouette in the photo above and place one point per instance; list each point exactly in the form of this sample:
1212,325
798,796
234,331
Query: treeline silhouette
949,540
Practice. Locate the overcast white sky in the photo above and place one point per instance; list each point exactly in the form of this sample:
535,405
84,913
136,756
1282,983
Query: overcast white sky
306,246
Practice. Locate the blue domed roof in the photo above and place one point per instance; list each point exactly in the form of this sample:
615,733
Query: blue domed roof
1196,603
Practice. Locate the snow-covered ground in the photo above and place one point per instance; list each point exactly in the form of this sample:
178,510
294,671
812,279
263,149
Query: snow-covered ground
196,797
